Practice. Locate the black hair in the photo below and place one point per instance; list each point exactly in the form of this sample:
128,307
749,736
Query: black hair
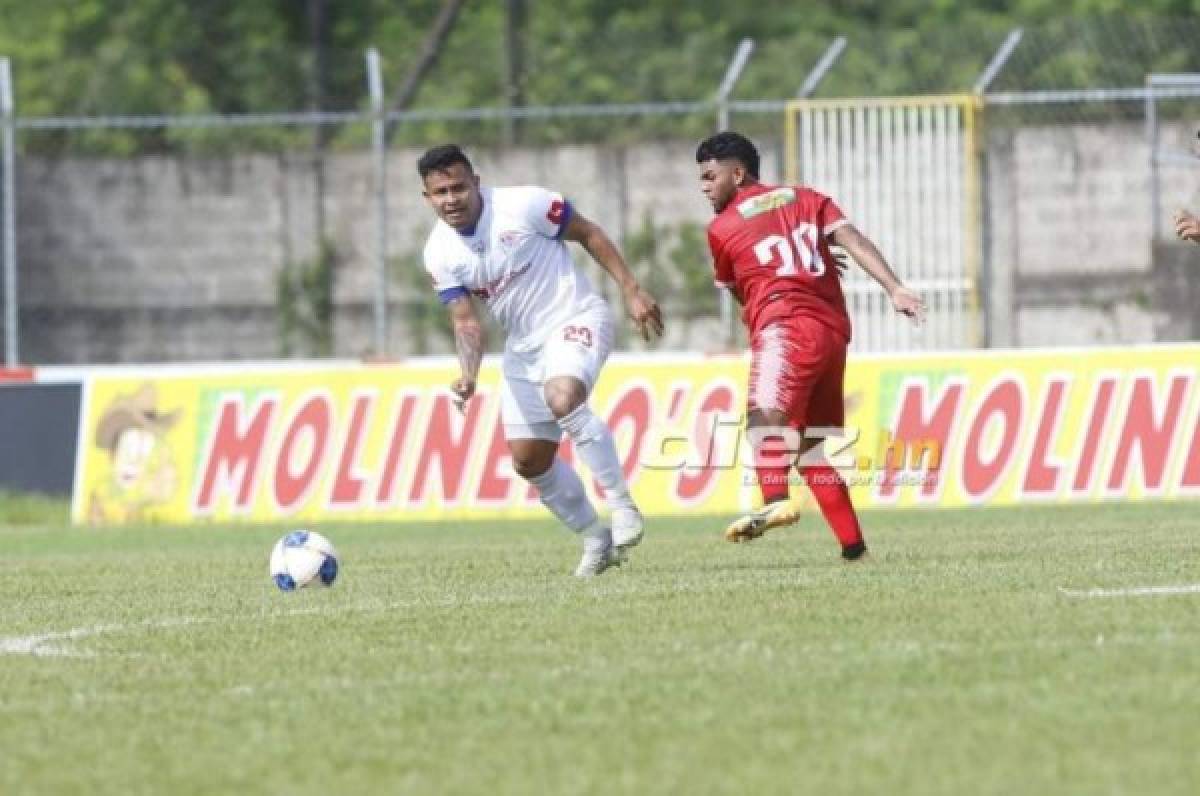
441,158
729,145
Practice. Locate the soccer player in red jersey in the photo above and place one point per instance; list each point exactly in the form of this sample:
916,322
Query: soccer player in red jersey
771,249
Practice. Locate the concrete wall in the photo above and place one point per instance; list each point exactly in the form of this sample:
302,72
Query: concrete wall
1072,254
155,259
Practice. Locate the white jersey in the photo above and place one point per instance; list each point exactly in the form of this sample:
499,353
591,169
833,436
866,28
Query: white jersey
516,262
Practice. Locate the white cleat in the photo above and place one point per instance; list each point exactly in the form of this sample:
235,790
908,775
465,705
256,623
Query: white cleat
628,527
595,562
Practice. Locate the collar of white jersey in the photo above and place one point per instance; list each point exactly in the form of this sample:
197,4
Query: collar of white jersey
485,198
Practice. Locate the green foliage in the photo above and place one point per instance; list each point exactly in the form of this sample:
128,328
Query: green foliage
674,264
673,261
644,251
425,320
424,317
691,259
91,57
305,304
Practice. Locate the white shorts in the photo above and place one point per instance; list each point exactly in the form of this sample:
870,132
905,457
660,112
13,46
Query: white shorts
576,348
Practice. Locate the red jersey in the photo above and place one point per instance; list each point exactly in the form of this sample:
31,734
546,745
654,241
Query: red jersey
770,242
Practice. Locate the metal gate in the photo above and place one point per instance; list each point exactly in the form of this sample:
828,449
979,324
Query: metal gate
905,170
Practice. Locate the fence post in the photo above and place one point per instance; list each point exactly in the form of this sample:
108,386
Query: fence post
999,59
791,166
379,144
985,290
1152,140
8,198
1166,86
732,73
822,67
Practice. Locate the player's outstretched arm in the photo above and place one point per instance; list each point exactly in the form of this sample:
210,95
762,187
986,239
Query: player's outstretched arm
1187,226
641,305
469,342
870,259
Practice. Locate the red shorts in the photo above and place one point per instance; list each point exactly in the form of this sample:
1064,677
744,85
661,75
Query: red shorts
797,366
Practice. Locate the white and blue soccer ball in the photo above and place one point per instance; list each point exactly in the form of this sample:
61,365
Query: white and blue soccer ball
303,558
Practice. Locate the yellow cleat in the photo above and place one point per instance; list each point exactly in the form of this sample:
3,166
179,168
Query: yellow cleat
756,523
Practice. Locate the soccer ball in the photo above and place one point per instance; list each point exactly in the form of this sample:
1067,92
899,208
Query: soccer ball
303,558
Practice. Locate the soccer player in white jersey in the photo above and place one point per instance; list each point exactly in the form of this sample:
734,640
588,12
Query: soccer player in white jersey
506,247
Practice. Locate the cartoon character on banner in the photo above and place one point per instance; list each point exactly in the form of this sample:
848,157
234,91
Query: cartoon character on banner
140,472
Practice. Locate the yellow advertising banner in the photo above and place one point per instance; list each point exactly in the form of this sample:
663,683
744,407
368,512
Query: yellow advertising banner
384,442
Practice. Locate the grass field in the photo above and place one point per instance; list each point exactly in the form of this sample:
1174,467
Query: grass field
454,659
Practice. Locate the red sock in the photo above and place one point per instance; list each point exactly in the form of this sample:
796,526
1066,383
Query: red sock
834,499
771,463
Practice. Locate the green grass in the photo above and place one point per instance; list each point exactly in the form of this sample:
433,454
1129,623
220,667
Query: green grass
30,509
463,659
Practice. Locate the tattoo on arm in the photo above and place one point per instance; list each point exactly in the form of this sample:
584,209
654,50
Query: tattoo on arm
468,336
468,340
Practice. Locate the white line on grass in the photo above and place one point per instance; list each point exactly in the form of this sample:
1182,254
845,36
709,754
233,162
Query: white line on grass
51,644
58,644
1136,591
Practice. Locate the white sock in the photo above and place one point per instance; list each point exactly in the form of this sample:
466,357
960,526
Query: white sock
595,445
562,492
596,537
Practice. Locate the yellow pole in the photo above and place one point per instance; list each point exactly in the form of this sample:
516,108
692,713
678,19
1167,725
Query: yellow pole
971,106
791,145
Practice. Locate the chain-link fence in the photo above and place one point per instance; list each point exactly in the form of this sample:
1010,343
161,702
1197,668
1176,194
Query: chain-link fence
251,236
208,232
1082,185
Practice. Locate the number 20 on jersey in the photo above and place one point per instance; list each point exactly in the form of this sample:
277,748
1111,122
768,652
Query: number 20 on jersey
785,253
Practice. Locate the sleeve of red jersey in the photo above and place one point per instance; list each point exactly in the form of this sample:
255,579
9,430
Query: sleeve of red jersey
722,268
829,215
